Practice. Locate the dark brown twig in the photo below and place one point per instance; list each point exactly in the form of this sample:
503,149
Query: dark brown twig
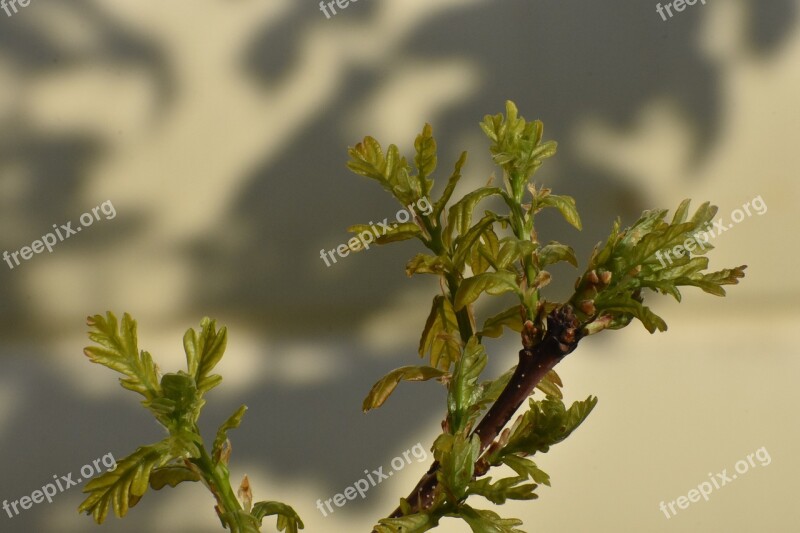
560,339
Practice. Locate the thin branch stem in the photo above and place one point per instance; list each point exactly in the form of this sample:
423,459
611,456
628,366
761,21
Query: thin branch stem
560,339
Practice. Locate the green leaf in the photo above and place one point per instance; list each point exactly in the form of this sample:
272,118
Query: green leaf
484,253
440,337
428,264
396,232
425,160
240,521
494,283
119,351
180,403
203,352
457,460
513,249
171,475
627,305
413,523
465,244
712,282
510,318
527,468
288,520
124,486
459,216
555,252
390,170
657,240
682,212
566,205
482,521
551,385
654,254
386,385
465,393
222,433
517,147
546,423
451,186
511,488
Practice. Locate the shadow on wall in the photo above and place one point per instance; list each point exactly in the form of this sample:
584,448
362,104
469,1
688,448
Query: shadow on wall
561,62
42,173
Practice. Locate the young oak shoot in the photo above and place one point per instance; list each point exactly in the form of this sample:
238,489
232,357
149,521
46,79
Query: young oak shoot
175,400
500,253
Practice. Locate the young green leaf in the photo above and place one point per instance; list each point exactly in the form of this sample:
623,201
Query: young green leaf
546,423
391,170
203,352
482,521
171,475
124,486
386,385
494,283
460,215
396,232
222,433
451,186
465,244
555,252
413,523
425,160
510,318
510,488
527,468
551,385
513,249
428,264
288,519
483,254
457,455
465,392
440,337
566,205
119,351
179,405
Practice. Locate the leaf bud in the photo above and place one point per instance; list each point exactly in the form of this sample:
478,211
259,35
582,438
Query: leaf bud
587,306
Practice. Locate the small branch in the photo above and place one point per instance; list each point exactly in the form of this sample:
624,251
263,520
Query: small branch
560,339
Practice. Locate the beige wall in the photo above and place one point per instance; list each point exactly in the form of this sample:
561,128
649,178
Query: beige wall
218,130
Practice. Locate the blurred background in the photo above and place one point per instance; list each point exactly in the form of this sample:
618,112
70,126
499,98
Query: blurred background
218,130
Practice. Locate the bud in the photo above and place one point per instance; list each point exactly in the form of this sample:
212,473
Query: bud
529,333
587,306
605,277
246,494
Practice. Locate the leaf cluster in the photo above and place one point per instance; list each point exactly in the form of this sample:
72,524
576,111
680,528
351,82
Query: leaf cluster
653,254
476,253
471,257
175,400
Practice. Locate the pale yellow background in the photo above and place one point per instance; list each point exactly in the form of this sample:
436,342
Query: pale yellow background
219,130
